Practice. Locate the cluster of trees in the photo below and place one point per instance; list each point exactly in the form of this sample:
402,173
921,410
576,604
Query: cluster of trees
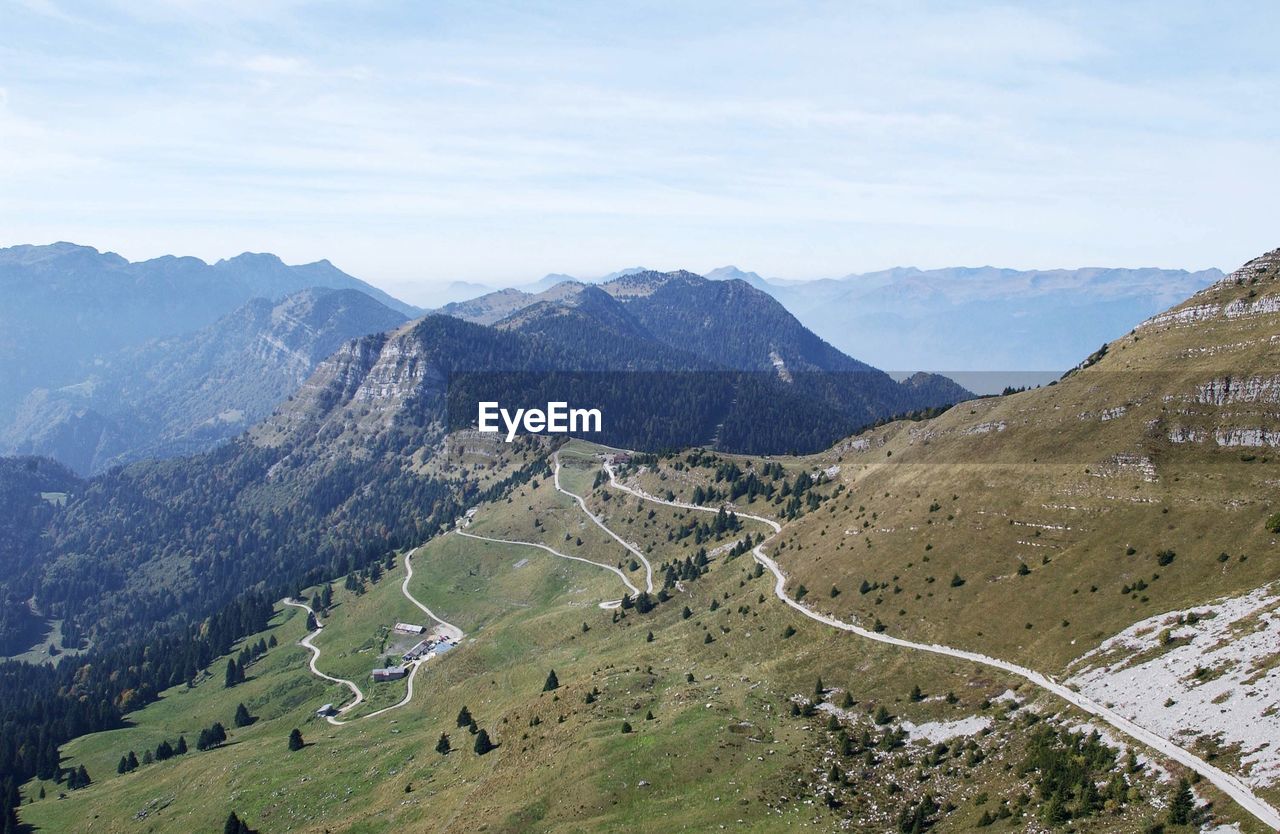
482,742
1067,767
725,522
217,517
211,737
43,706
78,778
164,752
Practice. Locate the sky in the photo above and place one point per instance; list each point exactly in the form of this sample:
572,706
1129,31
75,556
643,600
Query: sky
419,143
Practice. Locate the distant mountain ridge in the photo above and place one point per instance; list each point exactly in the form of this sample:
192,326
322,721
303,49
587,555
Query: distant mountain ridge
74,317
186,393
727,325
986,327
991,322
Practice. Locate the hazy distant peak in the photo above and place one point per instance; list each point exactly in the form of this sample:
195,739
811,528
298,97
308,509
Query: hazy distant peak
30,255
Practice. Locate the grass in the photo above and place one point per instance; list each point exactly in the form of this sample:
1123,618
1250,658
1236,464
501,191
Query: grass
721,747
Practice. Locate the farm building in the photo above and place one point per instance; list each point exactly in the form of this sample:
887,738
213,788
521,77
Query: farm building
409,628
390,673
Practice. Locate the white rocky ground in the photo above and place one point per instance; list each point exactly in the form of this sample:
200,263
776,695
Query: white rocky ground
1216,673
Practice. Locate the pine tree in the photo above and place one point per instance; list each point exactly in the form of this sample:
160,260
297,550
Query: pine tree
552,683
483,744
132,761
232,676
295,740
442,746
817,688
464,717
1182,805
273,642
243,718
182,746
233,825
123,767
626,726
164,751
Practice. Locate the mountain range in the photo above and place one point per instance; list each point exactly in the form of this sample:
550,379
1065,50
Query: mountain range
103,360
988,328
154,375
1112,532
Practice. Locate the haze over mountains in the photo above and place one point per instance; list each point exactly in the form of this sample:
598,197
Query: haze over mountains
1129,506
986,327
105,361
175,355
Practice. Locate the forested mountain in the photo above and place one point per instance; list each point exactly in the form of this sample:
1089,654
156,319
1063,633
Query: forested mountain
185,394
66,307
173,558
32,493
729,324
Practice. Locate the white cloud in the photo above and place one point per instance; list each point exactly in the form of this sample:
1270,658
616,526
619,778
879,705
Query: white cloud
451,141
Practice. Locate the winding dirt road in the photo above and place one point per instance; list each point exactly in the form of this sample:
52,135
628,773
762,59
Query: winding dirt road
315,655
1229,784
632,549
610,604
453,633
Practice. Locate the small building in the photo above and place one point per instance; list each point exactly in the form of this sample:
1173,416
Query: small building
620,459
409,628
325,711
419,650
390,673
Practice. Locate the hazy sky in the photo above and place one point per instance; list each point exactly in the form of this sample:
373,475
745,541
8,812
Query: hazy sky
422,142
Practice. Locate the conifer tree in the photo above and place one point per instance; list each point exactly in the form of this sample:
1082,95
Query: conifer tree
442,746
464,717
552,682
1182,805
295,740
483,743
243,718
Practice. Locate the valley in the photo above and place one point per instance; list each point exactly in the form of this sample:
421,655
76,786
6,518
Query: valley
943,623
562,512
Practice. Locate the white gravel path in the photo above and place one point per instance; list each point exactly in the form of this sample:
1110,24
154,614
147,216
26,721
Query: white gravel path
1233,786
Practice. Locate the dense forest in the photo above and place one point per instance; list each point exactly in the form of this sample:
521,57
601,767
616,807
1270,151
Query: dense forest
174,562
